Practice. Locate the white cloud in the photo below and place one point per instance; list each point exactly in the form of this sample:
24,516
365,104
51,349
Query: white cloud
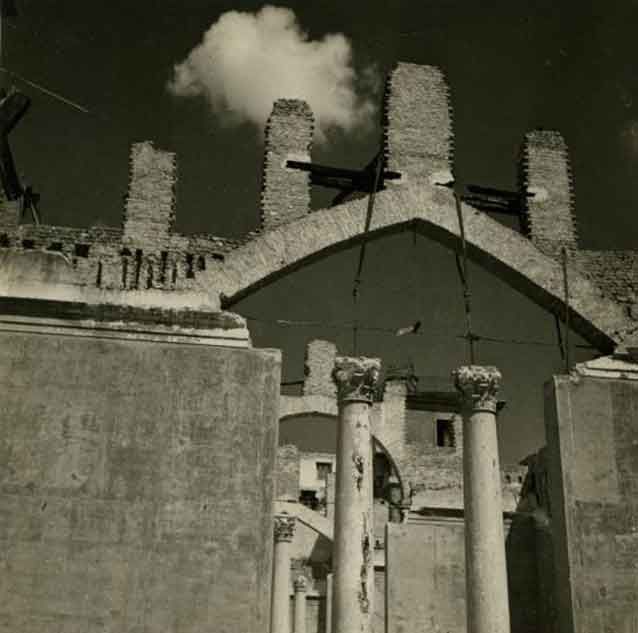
248,60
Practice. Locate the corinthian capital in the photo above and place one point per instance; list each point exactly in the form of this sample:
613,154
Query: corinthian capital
478,386
300,584
356,378
284,528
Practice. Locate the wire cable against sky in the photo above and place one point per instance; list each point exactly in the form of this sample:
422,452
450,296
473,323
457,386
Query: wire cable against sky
45,90
347,325
8,10
362,252
463,274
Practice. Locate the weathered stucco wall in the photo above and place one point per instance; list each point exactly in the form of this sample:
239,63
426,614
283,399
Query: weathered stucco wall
592,436
136,485
426,574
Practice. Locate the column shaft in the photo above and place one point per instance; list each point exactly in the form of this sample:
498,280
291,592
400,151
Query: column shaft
328,603
353,565
486,570
280,604
300,605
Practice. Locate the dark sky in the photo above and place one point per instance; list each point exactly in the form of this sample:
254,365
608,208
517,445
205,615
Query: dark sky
512,66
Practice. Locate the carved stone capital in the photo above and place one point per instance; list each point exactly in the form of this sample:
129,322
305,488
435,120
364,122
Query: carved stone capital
300,584
284,528
356,378
478,386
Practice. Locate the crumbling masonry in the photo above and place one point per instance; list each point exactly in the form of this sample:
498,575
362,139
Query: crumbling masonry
139,426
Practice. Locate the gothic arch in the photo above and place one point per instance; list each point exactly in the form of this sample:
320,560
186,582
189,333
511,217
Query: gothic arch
431,210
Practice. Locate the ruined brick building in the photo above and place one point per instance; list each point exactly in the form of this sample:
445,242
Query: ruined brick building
139,468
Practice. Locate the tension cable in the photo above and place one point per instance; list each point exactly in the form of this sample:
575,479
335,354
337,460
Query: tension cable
461,265
362,251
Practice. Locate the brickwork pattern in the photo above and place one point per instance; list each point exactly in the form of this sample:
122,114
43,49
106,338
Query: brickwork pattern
418,124
318,367
550,200
286,192
615,273
150,206
147,254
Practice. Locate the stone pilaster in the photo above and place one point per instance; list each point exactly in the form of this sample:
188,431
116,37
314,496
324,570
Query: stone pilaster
353,568
280,605
486,571
301,587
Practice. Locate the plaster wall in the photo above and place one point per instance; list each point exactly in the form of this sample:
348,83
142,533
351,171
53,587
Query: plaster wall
425,562
592,433
136,485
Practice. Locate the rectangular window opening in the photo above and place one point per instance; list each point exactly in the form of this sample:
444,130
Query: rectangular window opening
445,434
323,470
82,250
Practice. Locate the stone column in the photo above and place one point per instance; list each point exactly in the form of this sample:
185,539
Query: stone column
328,603
353,565
330,497
280,605
485,566
301,586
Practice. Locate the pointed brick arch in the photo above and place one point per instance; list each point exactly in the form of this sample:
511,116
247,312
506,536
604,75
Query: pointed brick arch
506,253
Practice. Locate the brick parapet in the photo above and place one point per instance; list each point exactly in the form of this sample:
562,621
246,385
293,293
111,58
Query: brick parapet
548,185
418,124
285,192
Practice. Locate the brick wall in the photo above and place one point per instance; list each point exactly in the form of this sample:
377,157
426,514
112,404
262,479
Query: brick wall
150,206
550,206
286,192
418,124
145,253
319,363
615,272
